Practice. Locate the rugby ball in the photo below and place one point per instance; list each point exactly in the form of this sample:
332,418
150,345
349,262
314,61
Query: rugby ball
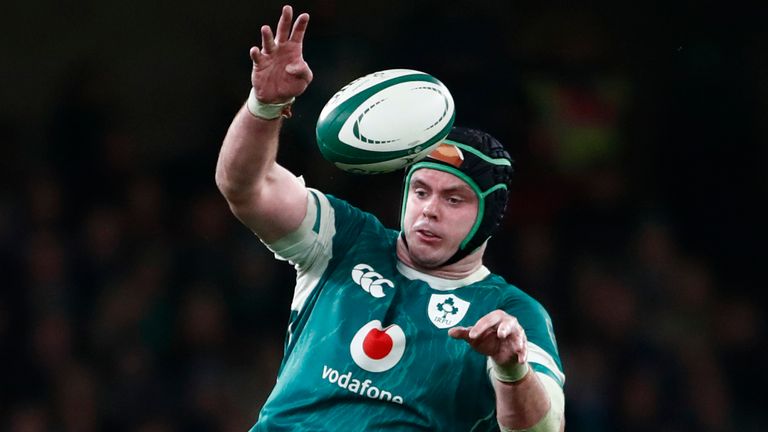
385,121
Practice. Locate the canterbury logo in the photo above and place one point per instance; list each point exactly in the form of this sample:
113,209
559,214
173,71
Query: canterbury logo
372,282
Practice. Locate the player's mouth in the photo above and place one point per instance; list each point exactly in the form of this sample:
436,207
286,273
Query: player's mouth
427,236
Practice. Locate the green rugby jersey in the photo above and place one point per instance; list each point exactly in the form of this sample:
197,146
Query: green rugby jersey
367,345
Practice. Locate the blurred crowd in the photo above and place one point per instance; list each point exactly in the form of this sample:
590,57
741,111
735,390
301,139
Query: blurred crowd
132,300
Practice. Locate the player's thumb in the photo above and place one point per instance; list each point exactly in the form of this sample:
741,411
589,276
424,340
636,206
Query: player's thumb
459,333
299,69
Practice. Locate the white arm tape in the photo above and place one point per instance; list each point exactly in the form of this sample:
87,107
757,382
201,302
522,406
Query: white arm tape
266,111
509,374
552,419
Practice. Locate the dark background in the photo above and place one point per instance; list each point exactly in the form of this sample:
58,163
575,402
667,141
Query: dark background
131,300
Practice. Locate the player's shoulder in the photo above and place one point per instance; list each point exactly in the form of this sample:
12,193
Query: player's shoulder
343,207
355,222
513,298
533,316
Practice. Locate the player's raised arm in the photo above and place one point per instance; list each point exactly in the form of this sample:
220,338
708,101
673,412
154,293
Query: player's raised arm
262,194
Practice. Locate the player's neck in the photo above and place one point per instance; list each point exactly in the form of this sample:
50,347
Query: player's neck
458,270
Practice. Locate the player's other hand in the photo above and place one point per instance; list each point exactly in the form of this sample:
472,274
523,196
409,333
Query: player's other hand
497,335
279,70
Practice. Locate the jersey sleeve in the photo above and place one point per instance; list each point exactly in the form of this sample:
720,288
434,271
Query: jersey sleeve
306,244
543,355
330,227
308,248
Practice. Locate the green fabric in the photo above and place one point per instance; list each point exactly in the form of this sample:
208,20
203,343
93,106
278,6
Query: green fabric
438,384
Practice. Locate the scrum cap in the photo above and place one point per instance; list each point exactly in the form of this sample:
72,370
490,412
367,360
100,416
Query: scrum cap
481,161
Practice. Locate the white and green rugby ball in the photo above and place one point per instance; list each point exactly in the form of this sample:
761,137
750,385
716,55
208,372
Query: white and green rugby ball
385,121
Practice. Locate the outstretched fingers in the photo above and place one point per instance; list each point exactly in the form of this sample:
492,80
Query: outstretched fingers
279,70
255,55
299,28
283,32
267,40
284,24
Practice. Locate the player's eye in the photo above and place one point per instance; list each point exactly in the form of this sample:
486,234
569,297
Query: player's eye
454,200
420,193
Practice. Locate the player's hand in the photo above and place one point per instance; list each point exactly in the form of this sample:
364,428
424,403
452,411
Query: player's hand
279,70
497,335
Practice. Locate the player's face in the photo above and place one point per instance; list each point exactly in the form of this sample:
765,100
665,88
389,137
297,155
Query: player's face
439,213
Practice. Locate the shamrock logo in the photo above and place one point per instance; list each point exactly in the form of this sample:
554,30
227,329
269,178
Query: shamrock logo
447,307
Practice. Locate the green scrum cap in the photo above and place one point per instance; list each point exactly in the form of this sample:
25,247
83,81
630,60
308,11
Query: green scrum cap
481,161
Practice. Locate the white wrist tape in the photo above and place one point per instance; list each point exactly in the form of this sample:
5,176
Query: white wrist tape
509,374
267,111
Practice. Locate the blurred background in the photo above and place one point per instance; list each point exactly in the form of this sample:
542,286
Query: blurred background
132,300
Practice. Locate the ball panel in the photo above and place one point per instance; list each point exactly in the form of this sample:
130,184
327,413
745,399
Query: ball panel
416,106
336,129
331,121
361,84
385,121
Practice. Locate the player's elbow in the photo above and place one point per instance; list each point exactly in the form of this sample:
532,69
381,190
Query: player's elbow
234,190
239,200
224,184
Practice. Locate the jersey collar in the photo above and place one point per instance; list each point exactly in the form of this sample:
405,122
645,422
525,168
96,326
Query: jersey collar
440,283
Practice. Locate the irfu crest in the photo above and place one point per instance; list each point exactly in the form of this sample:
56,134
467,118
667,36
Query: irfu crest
446,310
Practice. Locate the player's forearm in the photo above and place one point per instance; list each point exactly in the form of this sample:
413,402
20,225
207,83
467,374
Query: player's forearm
524,404
247,155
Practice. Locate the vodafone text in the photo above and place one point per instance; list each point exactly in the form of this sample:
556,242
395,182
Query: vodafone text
364,388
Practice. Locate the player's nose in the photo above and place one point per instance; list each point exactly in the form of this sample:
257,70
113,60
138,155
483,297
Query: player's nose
430,209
